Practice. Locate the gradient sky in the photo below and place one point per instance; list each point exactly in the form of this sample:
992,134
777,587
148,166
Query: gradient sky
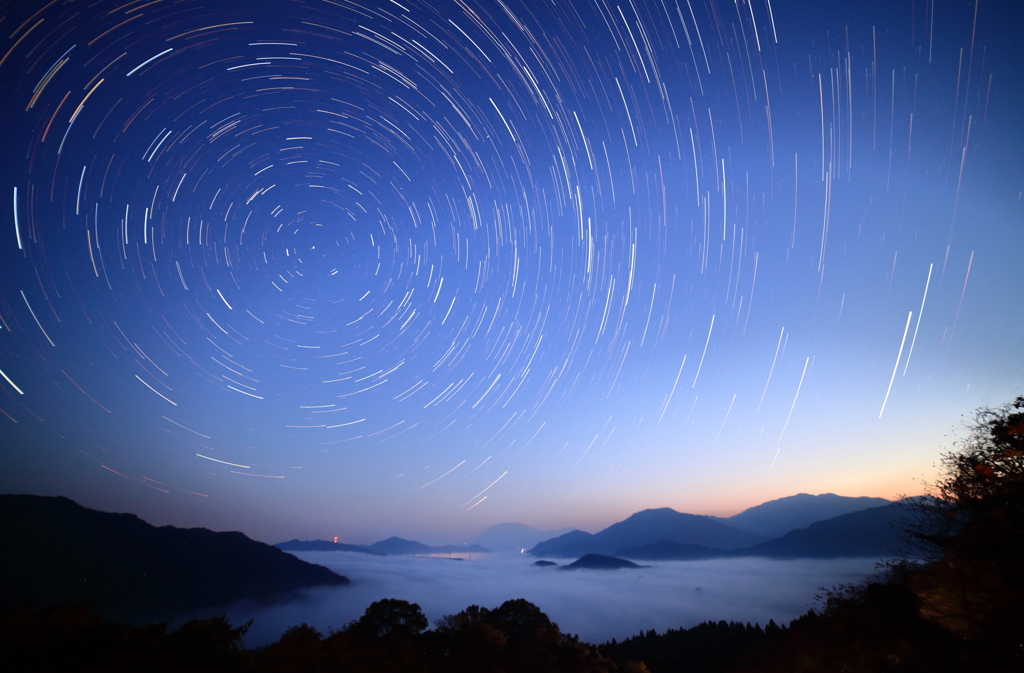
314,268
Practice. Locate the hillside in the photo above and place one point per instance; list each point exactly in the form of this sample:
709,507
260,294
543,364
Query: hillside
554,546
324,545
55,550
869,532
393,546
600,562
777,517
666,550
646,527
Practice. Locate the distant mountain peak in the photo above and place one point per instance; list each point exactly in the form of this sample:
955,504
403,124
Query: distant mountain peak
777,517
393,546
514,537
871,532
648,526
752,526
654,512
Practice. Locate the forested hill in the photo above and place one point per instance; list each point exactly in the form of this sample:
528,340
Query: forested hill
56,551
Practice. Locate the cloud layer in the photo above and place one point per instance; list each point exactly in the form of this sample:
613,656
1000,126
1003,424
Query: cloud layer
596,605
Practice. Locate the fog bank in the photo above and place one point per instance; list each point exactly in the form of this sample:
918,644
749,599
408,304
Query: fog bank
597,605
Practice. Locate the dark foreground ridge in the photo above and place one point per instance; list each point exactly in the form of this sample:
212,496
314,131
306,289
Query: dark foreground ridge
391,636
56,551
879,630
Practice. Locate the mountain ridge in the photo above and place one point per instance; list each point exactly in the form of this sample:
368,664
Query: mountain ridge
872,532
130,568
644,527
746,529
868,532
775,518
392,546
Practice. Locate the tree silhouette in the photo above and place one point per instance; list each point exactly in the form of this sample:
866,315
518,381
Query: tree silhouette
984,484
390,616
952,602
975,518
520,619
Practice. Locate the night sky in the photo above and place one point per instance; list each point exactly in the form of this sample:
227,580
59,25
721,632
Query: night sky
356,268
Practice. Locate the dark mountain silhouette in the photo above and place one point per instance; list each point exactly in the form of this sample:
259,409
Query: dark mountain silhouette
323,545
652,525
399,546
557,543
777,517
869,532
393,546
514,537
600,562
666,550
57,551
545,564
646,527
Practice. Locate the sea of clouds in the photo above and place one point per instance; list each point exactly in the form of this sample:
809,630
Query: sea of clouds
597,605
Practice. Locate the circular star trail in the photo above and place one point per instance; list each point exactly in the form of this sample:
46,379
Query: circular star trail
425,260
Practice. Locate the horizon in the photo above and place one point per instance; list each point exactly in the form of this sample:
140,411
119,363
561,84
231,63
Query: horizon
556,531
406,270
437,541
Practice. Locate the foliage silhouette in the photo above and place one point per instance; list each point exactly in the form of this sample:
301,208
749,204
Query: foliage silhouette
982,489
76,638
517,636
952,601
390,616
710,647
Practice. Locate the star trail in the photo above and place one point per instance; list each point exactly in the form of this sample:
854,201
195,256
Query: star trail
348,263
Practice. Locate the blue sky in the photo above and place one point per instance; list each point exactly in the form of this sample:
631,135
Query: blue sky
306,270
